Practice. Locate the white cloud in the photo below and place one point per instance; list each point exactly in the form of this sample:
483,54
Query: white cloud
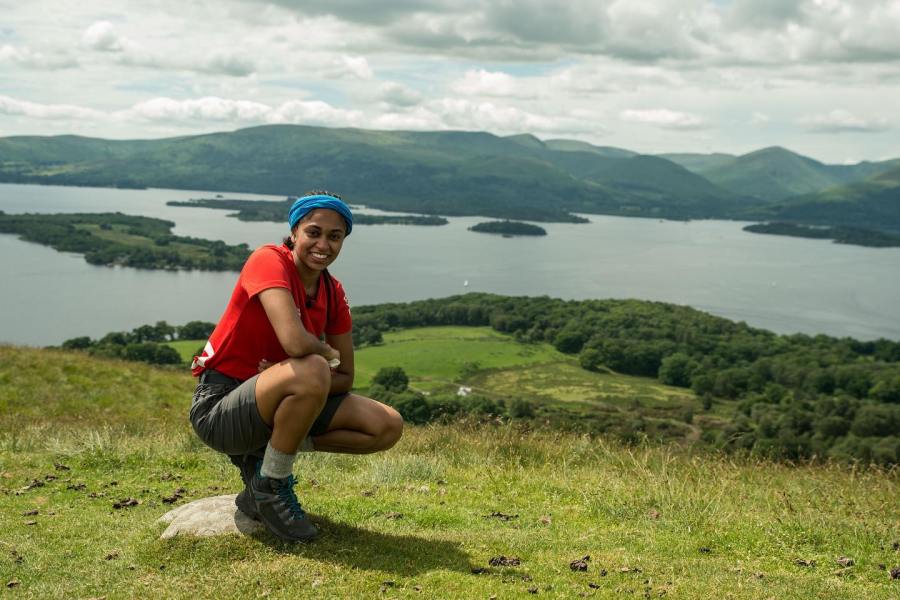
396,94
240,112
663,117
27,58
840,121
479,82
33,110
356,66
101,36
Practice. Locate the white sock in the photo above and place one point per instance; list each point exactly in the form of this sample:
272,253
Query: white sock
277,464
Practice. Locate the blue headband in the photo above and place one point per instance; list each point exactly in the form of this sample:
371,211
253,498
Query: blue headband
306,204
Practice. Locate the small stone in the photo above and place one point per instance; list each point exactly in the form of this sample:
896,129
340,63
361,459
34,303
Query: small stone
206,517
479,571
167,477
50,477
502,516
35,483
442,482
386,585
705,550
111,556
580,564
61,467
546,520
13,583
505,561
803,562
845,562
126,503
368,493
532,590
418,588
594,586
31,513
653,513
31,522
895,573
76,486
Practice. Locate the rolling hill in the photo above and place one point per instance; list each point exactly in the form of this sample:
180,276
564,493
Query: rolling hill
451,173
458,173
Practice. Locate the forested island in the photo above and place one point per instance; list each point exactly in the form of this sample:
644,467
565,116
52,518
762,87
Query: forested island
125,240
840,235
276,212
508,228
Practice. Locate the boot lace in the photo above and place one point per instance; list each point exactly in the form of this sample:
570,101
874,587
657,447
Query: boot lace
286,493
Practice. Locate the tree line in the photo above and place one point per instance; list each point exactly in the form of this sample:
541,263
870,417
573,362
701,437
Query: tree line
146,343
796,396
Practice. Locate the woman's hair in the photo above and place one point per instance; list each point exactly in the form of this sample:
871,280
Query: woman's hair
287,241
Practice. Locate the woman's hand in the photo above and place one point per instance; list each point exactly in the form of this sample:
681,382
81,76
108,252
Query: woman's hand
332,356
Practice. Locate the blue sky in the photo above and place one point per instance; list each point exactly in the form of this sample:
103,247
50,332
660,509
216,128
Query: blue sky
821,77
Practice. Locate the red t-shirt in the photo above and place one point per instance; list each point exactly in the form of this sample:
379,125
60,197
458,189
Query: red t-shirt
244,335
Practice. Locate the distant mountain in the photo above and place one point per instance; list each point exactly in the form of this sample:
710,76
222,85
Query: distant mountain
699,162
579,146
775,173
450,173
871,204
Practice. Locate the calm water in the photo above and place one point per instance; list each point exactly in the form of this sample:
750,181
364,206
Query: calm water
779,283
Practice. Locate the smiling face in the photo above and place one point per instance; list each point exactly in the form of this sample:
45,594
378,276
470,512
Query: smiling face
318,239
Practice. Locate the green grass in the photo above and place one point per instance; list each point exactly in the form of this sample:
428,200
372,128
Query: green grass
122,430
187,349
435,356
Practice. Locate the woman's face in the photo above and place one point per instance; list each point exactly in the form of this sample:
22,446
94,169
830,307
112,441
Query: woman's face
318,239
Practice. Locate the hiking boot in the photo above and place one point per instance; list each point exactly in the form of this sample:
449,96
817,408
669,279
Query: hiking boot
245,503
279,509
244,500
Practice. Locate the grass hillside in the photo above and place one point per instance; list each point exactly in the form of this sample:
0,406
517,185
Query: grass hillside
78,434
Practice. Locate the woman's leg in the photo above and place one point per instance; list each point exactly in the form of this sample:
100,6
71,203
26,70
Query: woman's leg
361,426
289,396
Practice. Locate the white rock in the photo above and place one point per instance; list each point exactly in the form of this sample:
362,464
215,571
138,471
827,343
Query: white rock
207,517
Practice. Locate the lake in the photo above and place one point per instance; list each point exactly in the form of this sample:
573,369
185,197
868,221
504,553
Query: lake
784,284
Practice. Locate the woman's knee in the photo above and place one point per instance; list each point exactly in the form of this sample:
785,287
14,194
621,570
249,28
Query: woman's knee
391,429
311,376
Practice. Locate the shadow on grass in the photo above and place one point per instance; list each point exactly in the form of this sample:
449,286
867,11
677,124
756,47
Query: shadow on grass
358,548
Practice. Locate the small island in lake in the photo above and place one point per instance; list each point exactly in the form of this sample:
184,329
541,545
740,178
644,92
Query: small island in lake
840,234
508,228
115,239
276,211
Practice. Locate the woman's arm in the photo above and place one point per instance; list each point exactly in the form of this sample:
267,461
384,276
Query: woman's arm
342,376
293,337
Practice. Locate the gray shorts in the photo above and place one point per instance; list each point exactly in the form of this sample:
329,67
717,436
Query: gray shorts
225,416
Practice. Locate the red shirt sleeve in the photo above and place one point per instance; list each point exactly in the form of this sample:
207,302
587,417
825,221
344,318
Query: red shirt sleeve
339,320
263,270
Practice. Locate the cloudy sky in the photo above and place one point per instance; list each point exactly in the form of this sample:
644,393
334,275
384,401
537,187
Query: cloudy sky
821,77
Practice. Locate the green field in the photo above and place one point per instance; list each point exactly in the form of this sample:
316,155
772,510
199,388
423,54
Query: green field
493,364
78,434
